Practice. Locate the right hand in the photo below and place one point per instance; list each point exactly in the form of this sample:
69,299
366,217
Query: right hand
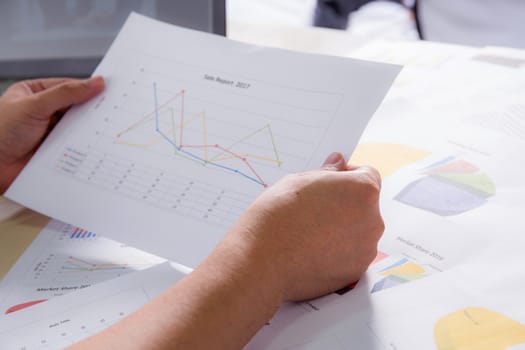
308,235
314,232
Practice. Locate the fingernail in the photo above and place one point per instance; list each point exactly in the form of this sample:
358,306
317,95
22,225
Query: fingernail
334,158
95,83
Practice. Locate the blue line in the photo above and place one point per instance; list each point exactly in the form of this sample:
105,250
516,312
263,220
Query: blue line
156,106
236,171
208,162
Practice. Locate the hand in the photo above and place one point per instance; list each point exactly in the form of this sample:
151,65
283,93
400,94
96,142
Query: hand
28,111
308,235
315,232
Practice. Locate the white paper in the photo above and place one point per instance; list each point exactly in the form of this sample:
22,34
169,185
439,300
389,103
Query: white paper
191,128
452,201
68,319
63,259
472,306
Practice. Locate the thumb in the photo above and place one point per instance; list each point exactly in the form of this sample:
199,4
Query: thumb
61,96
335,162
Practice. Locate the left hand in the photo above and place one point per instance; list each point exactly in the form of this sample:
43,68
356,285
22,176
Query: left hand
29,110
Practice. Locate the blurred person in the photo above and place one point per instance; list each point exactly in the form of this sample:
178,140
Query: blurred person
335,14
466,22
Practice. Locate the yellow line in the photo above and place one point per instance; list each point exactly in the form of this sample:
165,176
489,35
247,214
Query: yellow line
132,144
189,158
156,139
277,161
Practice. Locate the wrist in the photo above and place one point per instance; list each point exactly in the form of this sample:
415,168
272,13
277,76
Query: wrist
251,269
231,295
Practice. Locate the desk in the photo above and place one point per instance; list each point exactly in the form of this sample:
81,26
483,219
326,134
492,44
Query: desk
17,230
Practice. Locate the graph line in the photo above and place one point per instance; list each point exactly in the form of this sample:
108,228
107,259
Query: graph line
79,265
188,151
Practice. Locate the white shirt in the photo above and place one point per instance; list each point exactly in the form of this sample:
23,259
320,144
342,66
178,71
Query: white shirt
474,22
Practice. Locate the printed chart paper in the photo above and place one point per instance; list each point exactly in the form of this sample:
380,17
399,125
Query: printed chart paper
65,320
63,259
189,131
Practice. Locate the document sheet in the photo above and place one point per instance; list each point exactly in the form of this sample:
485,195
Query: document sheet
190,129
63,259
65,320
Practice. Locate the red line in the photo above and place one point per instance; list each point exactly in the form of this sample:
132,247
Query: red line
181,145
254,172
232,154
181,117
228,151
83,261
245,161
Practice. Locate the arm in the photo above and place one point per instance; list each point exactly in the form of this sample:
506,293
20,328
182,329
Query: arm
308,235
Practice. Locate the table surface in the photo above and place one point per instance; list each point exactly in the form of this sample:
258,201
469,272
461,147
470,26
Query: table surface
18,228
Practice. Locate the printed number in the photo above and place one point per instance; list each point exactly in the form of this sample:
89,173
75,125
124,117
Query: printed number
242,85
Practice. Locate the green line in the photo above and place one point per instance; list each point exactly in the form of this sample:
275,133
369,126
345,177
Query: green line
239,141
177,153
273,144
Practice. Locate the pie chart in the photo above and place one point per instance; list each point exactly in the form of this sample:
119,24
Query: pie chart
449,187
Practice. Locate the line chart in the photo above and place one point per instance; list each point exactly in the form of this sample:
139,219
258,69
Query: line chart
181,142
74,264
201,149
85,265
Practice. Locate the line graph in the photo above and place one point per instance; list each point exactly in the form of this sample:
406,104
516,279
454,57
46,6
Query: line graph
85,266
181,142
172,124
194,149
74,264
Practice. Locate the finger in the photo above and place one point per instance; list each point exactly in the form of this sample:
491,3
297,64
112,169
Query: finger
372,173
30,87
65,94
37,85
334,162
